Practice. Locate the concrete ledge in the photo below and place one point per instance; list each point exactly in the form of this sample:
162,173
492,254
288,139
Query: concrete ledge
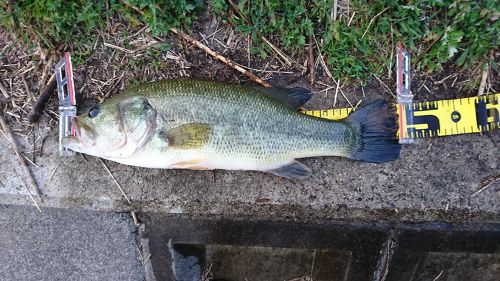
433,180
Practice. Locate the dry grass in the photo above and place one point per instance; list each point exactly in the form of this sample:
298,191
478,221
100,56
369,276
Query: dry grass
125,55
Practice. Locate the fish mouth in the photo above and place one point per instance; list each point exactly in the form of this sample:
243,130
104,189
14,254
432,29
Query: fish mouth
76,129
90,134
74,140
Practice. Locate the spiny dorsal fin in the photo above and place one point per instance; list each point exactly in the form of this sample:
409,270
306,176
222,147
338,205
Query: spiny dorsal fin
192,135
294,170
294,98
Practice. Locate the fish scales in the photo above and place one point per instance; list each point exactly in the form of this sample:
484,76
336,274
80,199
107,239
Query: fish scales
246,123
208,125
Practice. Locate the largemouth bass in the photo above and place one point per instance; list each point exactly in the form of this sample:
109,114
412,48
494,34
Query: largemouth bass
191,124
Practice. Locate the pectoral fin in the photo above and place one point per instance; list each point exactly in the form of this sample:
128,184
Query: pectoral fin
188,136
294,170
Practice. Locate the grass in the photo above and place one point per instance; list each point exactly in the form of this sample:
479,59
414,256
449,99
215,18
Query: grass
355,45
356,41
69,24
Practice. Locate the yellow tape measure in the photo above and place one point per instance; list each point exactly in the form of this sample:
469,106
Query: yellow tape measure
438,118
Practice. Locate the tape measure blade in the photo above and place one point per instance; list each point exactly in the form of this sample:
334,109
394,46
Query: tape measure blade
439,118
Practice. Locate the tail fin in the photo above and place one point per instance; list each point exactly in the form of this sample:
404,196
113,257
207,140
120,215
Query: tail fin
377,129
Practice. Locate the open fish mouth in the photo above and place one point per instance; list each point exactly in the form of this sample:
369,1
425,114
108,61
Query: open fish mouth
79,140
76,128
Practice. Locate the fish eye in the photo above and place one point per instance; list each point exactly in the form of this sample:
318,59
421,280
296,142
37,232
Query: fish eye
94,111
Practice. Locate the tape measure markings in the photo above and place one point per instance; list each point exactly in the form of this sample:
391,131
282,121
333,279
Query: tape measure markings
438,118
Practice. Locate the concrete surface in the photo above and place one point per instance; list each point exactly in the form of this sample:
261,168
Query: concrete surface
67,245
433,180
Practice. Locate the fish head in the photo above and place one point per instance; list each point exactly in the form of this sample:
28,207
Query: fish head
116,128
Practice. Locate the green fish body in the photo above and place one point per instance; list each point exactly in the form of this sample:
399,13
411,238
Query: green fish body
208,125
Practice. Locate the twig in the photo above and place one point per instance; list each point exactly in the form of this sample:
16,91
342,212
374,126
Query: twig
116,83
340,89
328,88
371,21
45,71
116,182
147,258
286,58
357,104
249,41
3,90
147,46
314,253
139,250
439,275
454,81
26,87
336,94
322,61
83,157
487,182
345,97
444,79
205,38
389,70
421,55
26,70
385,86
325,67
29,160
207,273
134,218
133,35
27,173
126,3
484,76
427,88
221,58
265,71
109,45
350,20
333,15
310,61
52,174
32,198
42,99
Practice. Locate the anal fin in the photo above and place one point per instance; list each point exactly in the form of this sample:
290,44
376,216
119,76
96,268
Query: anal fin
196,164
294,170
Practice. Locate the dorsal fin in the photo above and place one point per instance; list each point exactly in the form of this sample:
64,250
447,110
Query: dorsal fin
294,98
